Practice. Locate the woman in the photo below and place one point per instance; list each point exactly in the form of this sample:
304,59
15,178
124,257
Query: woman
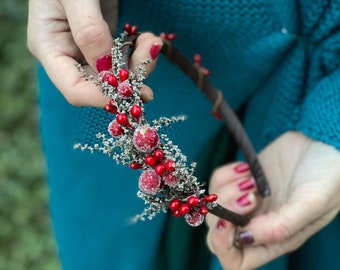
277,63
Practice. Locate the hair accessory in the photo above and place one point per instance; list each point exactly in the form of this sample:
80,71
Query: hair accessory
166,180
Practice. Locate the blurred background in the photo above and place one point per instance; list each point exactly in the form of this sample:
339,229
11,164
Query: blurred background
26,237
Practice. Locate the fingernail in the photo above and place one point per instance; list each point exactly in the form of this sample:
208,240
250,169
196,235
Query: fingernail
247,184
221,224
146,98
241,168
244,200
154,51
244,238
104,63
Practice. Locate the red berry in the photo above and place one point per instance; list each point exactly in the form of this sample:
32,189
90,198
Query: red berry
203,210
210,198
170,165
195,218
164,35
174,204
149,182
123,74
171,36
158,154
111,80
111,109
135,165
127,27
134,30
177,213
184,209
198,59
206,71
170,180
136,111
168,36
115,129
150,160
124,89
193,201
216,114
123,120
145,138
160,169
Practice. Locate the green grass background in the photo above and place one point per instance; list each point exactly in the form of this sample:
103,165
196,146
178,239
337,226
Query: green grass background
26,238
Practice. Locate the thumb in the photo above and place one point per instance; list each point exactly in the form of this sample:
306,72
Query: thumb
89,30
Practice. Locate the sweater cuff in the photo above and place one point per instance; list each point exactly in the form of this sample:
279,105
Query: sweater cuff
320,112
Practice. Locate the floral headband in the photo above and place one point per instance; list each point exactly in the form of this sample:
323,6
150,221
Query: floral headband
166,181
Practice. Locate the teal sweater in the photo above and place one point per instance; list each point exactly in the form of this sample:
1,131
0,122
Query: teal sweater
277,62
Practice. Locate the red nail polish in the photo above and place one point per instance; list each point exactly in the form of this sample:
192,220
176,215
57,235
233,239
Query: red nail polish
154,51
247,184
241,168
104,63
243,200
244,238
221,224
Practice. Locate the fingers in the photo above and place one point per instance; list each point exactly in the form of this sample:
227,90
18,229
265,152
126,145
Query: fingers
147,46
283,225
237,192
89,30
76,90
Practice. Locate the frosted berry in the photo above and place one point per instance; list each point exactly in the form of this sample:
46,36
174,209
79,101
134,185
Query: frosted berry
149,182
123,74
145,138
174,204
115,129
124,90
194,218
170,180
103,74
160,169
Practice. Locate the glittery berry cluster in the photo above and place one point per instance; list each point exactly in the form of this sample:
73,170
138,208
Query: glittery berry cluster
166,181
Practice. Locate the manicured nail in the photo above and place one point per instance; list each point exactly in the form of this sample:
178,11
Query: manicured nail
241,168
154,51
221,224
104,63
244,200
247,184
244,238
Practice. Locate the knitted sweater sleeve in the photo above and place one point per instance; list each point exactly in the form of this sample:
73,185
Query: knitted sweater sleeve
319,115
320,112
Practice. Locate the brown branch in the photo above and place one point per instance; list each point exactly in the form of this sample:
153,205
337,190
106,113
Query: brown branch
229,117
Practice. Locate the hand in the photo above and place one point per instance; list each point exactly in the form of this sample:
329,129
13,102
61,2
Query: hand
304,176
62,32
